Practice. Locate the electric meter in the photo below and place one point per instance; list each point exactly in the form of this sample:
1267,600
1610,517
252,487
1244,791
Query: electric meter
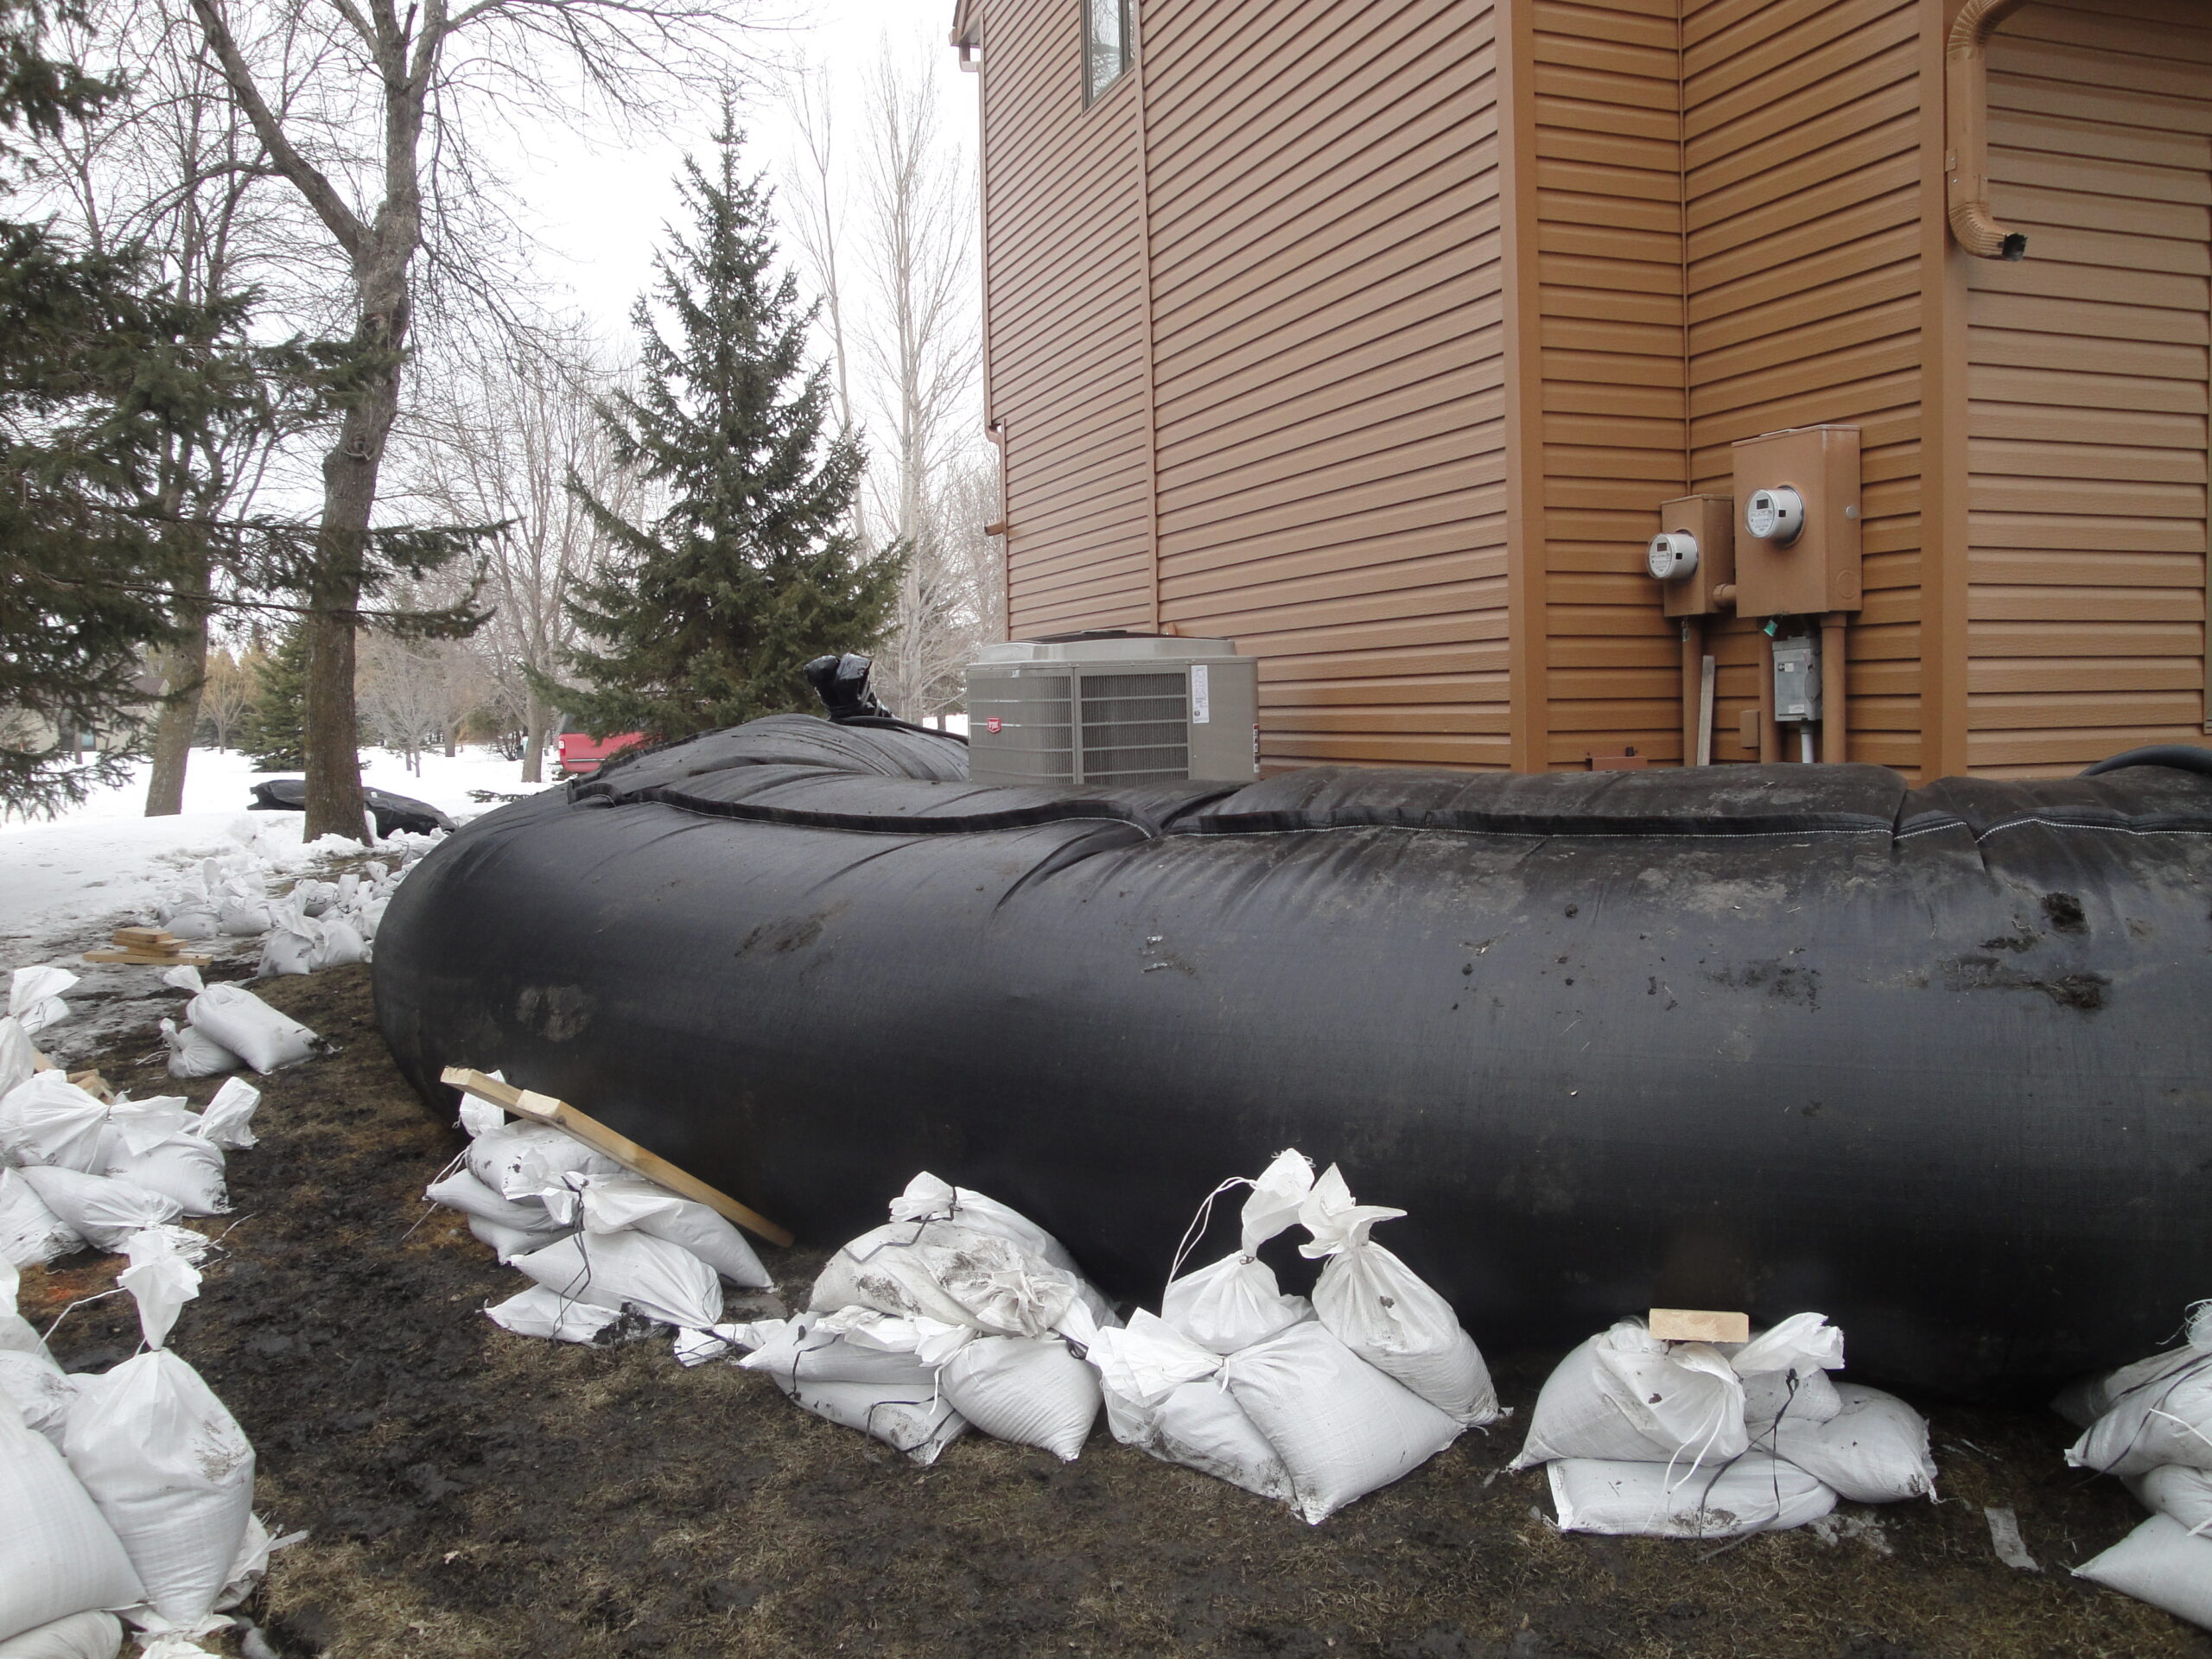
1775,516
1672,555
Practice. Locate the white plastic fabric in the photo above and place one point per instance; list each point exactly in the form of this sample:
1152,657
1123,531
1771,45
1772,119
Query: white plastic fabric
39,1391
51,1121
30,1234
249,1027
538,1312
228,1120
1341,1427
2161,1563
1785,1371
858,1345
461,1191
299,944
18,1060
35,997
2177,1491
242,918
1162,1397
1751,1493
1626,1396
184,977
613,1204
521,1160
80,1636
928,1198
944,1271
1874,1450
1235,1301
172,1473
898,1402
660,1280
1387,1313
1029,1391
508,1242
194,1054
58,1557
2163,1416
105,1211
16,1334
161,1280
180,1166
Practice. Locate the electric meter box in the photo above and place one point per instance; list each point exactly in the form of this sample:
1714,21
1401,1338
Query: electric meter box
1801,565
1112,708
1710,522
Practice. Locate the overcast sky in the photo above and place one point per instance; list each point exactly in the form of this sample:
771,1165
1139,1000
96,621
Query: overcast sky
599,205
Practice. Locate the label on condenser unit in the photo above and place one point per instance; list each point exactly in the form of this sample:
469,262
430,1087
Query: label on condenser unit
1201,696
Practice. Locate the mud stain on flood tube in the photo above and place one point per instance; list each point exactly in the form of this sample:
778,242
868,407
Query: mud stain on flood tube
1610,1037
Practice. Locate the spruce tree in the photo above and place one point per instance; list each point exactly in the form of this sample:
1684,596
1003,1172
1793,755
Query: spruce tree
274,731
710,610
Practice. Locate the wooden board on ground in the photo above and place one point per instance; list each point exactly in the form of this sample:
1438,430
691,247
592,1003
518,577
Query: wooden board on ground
544,1108
1697,1325
147,959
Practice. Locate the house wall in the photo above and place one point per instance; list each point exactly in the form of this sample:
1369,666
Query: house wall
2088,372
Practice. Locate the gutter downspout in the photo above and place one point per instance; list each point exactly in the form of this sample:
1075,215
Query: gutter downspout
1966,114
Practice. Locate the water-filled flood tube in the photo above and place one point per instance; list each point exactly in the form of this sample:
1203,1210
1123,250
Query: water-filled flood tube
1936,1063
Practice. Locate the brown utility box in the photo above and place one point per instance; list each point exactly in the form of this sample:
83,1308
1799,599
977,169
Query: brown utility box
1818,570
1711,519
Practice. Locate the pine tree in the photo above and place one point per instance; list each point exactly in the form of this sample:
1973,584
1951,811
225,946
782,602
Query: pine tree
274,731
708,611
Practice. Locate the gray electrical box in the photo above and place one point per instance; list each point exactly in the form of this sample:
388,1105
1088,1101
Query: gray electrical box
1113,708
1796,680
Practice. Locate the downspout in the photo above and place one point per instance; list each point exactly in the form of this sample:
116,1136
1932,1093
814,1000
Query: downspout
1966,114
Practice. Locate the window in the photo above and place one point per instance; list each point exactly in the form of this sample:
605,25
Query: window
1109,43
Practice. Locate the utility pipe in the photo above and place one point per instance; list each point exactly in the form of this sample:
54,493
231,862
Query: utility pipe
1693,685
1966,117
1835,708
1770,731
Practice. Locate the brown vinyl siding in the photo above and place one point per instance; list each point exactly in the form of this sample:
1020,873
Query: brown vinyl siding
1327,366
2088,374
1065,267
1802,167
1609,245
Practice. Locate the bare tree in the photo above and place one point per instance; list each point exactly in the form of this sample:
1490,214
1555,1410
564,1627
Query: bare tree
951,600
819,228
226,691
369,112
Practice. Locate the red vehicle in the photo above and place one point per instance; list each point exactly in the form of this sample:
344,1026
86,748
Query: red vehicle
582,755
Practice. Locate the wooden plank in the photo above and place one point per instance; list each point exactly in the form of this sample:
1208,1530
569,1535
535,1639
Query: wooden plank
147,959
558,1114
1696,1324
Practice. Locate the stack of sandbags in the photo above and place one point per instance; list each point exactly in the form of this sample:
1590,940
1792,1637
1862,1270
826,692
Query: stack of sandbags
228,1027
960,1311
1316,1403
129,1490
595,1240
2151,1425
1693,1440
34,1004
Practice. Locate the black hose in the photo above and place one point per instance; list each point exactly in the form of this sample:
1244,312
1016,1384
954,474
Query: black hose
2182,757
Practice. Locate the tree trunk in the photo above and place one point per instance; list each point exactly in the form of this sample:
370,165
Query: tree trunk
184,665
533,745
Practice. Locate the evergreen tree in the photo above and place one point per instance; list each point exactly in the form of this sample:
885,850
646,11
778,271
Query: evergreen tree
274,731
708,611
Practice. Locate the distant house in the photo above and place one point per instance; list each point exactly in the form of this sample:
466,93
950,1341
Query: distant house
1375,336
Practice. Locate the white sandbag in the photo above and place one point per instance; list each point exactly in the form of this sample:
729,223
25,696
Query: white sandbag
538,1312
80,1636
1029,1391
855,1344
461,1191
659,1280
1874,1450
1626,1396
2179,1491
521,1160
1164,1396
194,1054
40,1390
58,1555
172,1473
919,1422
179,1166
16,1334
1388,1314
242,918
31,1235
1341,1427
891,1396
35,997
1751,1493
298,945
18,1060
185,978
2082,1402
50,1120
2165,1417
1785,1371
228,1120
613,1204
197,921
2161,1563
928,1198
249,1027
943,1271
105,1211
1236,1302
508,1242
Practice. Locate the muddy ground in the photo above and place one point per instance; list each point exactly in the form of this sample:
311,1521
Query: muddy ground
468,1493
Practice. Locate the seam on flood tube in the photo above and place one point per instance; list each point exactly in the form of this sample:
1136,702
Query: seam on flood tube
1542,834
1027,818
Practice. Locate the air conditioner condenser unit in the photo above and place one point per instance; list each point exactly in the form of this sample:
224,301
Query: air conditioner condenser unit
1113,708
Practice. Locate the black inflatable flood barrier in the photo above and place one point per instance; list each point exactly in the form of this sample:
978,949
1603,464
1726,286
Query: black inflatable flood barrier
1936,1063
